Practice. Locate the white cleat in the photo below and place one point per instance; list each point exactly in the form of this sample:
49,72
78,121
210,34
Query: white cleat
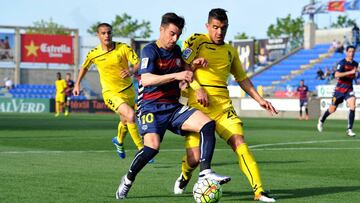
180,185
209,174
350,133
320,126
124,188
264,197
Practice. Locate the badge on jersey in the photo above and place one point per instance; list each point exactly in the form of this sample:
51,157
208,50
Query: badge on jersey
186,53
338,67
144,63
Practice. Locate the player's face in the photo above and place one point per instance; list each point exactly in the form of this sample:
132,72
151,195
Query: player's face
67,77
105,35
169,34
350,53
217,30
301,83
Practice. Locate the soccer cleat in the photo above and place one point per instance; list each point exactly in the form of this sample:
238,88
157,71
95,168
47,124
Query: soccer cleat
209,174
350,133
307,117
180,185
120,150
264,197
57,115
124,188
66,113
320,126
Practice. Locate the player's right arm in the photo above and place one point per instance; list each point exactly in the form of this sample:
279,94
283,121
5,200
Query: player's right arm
341,72
84,68
148,70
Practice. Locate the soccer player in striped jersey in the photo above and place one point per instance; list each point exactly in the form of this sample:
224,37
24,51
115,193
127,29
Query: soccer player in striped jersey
303,91
161,71
209,94
346,71
112,61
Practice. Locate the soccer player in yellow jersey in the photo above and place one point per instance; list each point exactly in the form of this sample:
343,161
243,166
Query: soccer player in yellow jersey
209,94
112,61
60,86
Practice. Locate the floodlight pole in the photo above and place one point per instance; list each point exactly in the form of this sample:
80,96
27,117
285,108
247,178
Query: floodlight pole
311,16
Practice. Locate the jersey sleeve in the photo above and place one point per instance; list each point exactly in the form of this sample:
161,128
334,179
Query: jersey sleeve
340,67
236,68
131,55
88,61
191,47
148,58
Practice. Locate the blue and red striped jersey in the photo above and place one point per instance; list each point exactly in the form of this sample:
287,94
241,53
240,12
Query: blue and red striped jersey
345,84
159,61
303,90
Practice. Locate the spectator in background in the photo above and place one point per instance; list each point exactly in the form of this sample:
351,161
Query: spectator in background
355,36
333,46
339,47
320,74
8,83
328,74
262,58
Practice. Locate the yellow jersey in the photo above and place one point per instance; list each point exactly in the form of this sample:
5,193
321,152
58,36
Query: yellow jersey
110,64
60,86
222,60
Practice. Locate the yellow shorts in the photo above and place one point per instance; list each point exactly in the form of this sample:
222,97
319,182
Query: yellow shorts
60,98
114,99
223,113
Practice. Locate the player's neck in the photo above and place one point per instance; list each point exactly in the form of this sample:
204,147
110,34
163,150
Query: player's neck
108,47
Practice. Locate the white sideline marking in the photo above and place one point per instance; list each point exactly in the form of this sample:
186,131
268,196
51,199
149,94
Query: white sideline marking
253,147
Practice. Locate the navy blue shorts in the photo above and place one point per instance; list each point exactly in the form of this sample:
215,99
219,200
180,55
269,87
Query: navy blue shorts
153,120
303,102
339,97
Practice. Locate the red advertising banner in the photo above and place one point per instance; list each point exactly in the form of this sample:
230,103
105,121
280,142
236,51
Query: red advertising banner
47,48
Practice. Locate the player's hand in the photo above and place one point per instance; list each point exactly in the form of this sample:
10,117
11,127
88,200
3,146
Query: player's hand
185,75
76,90
125,73
202,97
198,63
183,84
268,106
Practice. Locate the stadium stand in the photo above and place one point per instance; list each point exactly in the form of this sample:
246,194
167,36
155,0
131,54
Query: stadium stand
37,91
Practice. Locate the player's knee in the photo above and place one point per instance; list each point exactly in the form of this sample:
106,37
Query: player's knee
209,126
193,161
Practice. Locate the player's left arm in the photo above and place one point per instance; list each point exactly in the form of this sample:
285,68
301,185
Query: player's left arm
246,84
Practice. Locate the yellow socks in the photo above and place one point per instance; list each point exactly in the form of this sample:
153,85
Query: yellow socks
186,169
122,130
249,167
134,133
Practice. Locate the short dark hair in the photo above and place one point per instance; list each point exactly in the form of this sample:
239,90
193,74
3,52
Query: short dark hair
218,14
172,18
350,47
103,25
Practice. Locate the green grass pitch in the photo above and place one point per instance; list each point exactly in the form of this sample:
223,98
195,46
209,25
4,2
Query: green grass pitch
47,159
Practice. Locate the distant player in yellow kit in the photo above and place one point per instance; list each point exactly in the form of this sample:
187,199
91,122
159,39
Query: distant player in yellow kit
112,61
60,86
209,94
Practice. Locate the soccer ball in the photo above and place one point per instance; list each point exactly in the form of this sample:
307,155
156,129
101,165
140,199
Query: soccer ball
207,191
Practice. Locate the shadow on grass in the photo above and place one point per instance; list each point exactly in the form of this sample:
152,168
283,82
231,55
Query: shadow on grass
284,194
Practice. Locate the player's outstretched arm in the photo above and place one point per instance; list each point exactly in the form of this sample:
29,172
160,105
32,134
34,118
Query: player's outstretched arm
82,73
148,79
248,87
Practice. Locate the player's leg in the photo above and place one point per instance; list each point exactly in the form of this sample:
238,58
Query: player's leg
199,122
351,102
300,111
57,108
143,156
189,162
67,105
336,100
229,127
306,111
128,116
